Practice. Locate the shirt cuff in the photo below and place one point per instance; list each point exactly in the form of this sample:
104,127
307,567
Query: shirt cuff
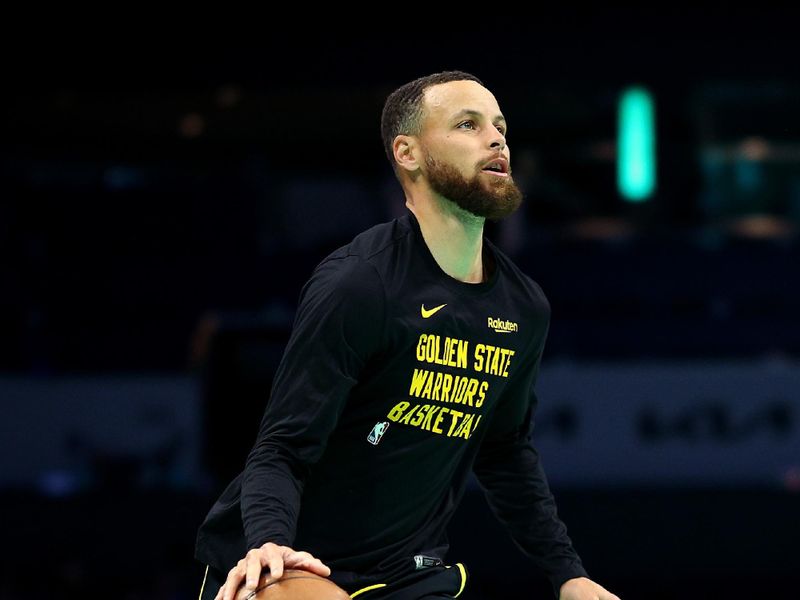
560,577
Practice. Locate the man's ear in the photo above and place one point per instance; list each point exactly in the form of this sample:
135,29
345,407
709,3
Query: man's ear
406,152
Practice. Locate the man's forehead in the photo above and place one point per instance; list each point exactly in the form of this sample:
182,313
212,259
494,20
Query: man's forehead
445,99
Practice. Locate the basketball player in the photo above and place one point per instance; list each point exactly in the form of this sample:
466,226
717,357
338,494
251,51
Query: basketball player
412,361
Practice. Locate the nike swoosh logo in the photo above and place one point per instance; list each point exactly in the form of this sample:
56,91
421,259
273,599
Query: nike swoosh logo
428,313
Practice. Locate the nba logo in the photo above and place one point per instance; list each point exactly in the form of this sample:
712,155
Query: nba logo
377,432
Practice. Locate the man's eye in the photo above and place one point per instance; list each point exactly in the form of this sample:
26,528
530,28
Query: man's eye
467,125
502,130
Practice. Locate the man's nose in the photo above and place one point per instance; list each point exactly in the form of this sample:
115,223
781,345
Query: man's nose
498,141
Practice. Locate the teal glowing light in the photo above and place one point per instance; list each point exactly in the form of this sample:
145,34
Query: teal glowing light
636,145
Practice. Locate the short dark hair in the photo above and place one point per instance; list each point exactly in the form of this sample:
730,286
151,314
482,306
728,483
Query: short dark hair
402,112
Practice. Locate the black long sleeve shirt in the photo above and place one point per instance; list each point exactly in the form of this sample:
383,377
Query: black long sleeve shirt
397,381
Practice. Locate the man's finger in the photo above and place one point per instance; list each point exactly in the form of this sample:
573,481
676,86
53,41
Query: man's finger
276,565
232,582
297,558
227,592
314,565
254,565
319,567
606,595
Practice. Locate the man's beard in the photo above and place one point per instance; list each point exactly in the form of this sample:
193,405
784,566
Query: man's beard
493,199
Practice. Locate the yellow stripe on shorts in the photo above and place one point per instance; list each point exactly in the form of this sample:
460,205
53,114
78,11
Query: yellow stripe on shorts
463,579
366,589
202,587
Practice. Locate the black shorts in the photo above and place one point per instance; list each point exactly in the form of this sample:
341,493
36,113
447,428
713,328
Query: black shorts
429,584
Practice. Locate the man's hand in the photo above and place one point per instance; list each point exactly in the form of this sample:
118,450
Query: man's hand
581,588
269,555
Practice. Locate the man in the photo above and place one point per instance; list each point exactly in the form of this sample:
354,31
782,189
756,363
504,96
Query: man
412,361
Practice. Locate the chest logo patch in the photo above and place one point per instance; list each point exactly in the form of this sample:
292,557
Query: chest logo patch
501,326
429,313
377,432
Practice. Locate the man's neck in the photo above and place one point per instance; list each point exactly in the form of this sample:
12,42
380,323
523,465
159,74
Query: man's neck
454,238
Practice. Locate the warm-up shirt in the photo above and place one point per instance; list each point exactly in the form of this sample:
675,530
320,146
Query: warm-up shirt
397,381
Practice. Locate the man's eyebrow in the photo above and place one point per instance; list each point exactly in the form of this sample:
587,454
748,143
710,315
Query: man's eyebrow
471,112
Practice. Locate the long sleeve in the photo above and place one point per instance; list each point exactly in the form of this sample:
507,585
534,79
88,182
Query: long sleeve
337,327
509,470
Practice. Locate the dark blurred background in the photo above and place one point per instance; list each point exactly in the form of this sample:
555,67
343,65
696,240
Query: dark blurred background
164,200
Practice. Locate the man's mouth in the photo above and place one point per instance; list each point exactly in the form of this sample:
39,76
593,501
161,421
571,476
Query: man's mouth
497,167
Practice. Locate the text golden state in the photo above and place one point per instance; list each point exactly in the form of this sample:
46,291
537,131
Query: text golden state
456,400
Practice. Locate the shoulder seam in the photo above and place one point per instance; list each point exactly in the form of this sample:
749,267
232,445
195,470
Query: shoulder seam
385,303
363,260
388,244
